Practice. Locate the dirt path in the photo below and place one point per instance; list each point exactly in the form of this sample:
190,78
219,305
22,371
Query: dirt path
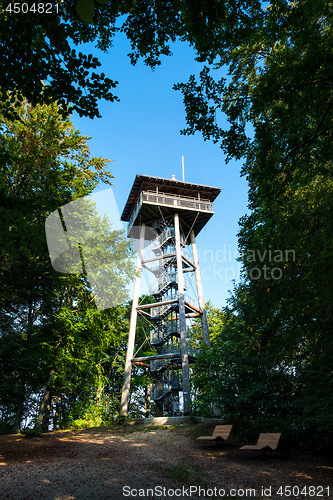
159,463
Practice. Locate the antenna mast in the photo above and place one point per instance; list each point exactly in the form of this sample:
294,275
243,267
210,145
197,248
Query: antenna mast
183,168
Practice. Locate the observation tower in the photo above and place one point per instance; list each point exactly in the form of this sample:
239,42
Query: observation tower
167,215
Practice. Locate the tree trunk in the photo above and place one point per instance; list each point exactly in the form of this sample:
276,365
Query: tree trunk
147,401
20,405
99,389
21,397
46,403
57,412
47,414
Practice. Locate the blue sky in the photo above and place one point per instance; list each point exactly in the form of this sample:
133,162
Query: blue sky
141,135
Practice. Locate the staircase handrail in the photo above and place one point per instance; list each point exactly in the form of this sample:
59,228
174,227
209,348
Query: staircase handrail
159,284
159,241
161,310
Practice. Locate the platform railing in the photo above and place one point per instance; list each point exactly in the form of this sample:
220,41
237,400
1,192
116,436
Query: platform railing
174,200
177,200
159,285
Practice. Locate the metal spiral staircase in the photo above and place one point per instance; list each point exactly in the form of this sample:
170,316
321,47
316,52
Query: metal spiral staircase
165,337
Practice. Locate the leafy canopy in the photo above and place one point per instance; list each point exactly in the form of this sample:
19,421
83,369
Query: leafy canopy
37,48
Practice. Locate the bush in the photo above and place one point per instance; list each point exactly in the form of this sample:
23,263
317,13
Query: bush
5,427
93,415
31,433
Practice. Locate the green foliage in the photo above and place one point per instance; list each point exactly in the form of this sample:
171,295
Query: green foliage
86,10
55,345
270,367
93,415
31,432
264,379
45,67
5,427
201,378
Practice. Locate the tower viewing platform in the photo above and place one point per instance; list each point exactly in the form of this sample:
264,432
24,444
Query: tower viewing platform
150,196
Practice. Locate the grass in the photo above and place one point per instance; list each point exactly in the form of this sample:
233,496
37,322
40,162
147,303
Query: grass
183,473
177,473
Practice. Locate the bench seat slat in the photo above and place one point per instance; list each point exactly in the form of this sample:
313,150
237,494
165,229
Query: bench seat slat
220,432
266,440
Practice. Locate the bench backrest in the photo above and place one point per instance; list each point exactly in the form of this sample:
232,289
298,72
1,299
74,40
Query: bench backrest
269,439
222,430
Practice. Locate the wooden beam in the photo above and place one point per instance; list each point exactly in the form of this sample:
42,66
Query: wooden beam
155,304
164,256
171,355
131,335
182,322
204,323
139,363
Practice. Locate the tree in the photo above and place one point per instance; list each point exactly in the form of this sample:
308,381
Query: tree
38,58
203,372
272,358
279,73
51,331
279,83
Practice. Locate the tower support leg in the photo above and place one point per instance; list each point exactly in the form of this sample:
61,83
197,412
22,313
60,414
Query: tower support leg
182,321
204,324
132,329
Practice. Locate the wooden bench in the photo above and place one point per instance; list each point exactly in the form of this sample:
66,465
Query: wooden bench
221,433
266,442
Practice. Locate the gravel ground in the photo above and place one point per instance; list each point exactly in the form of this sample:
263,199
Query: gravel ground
157,463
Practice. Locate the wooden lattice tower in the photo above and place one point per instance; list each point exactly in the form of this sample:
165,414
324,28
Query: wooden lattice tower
174,212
